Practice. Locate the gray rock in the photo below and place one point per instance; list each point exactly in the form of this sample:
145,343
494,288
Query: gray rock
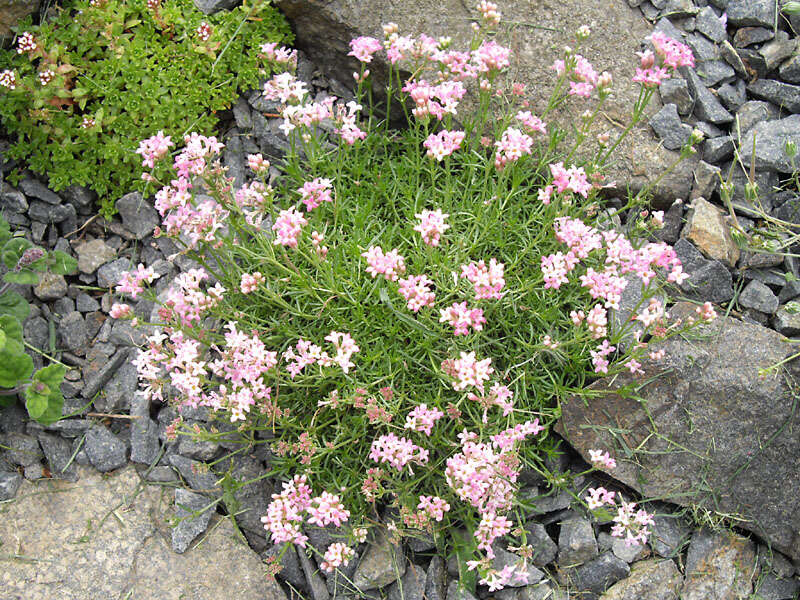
97,378
197,474
210,7
119,391
48,213
194,513
544,548
106,451
12,201
108,275
144,440
23,449
754,63
456,592
160,474
702,49
718,565
777,50
93,255
669,128
233,158
381,564
410,587
33,188
680,9
771,587
319,591
197,449
291,571
714,378
63,306
771,137
51,287
576,542
503,558
709,229
760,13
706,107
252,498
58,453
747,36
86,303
787,320
81,197
790,70
733,95
784,95
718,149
651,579
753,112
766,181
706,180
676,91
714,72
759,297
790,291
73,333
729,54
436,580
710,25
596,575
138,215
9,484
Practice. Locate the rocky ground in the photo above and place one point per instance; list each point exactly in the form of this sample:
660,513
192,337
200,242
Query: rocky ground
715,436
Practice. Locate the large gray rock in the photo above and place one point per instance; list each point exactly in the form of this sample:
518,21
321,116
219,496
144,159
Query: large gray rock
138,215
770,143
381,564
104,449
697,457
720,566
91,553
13,11
324,29
651,579
751,12
781,94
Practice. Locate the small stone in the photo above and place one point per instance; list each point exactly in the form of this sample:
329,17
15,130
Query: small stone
628,552
160,474
755,65
197,474
669,127
790,70
190,525
138,215
651,580
58,453
729,54
753,112
436,580
381,564
72,330
241,114
706,180
707,107
759,297
707,227
86,303
33,188
576,542
93,255
747,36
733,95
718,565
708,279
51,287
544,548
766,142
714,72
81,197
787,319
760,13
319,591
718,149
9,484
119,391
144,440
12,200
784,95
23,449
456,592
777,50
410,587
106,451
771,587
680,9
49,213
197,449
209,7
675,91
596,575
710,25
790,291
108,275
702,49
63,306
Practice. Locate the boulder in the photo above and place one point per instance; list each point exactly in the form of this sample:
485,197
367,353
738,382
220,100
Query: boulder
769,150
324,29
706,428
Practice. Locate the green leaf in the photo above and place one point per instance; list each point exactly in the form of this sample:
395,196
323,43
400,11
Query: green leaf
13,251
15,365
11,327
5,231
2,339
24,277
35,403
13,304
43,397
63,263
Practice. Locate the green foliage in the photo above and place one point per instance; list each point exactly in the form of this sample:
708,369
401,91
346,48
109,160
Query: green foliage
24,261
122,72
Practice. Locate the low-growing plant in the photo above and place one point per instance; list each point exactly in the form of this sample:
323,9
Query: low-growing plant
41,389
400,315
83,87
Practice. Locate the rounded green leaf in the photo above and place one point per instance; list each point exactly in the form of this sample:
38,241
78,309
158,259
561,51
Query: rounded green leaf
13,251
11,327
35,403
15,365
62,263
24,277
14,305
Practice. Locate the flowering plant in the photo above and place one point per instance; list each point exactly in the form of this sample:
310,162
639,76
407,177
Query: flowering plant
403,310
80,89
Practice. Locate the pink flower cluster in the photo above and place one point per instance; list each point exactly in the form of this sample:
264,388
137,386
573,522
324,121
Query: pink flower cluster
468,371
363,48
258,164
511,146
629,523
423,419
203,32
431,225
397,451
185,302
26,43
599,355
250,282
288,226
289,509
416,290
673,54
305,353
584,78
443,143
390,265
486,280
130,282
8,79
435,100
433,507
337,555
154,148
499,395
572,179
281,55
598,497
531,122
462,318
315,192
602,459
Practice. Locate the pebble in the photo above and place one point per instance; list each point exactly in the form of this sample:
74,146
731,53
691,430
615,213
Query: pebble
105,450
191,525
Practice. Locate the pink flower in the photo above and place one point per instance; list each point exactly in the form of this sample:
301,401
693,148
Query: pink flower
511,146
491,56
673,54
416,292
282,55
433,506
315,192
489,12
603,459
46,77
431,225
327,509
390,265
258,164
423,418
8,79
26,43
288,227
337,555
487,281
531,122
120,311
130,282
572,179
345,348
462,318
443,143
632,526
250,282
707,312
468,371
598,497
364,47
154,148
203,31
397,451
